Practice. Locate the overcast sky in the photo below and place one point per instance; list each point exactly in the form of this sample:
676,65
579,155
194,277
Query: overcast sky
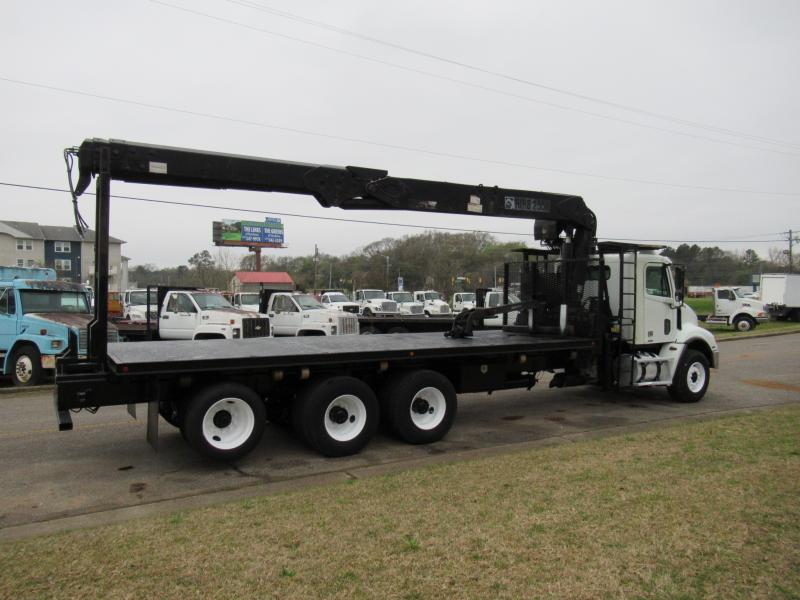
289,89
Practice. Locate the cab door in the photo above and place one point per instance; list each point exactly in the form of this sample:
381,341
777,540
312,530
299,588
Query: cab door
657,324
179,318
724,303
285,316
8,319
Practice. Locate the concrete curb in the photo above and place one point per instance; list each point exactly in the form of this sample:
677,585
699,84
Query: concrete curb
756,336
18,391
203,500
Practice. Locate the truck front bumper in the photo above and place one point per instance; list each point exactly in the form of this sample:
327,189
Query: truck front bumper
715,359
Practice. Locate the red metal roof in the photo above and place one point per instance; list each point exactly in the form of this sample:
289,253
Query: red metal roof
263,277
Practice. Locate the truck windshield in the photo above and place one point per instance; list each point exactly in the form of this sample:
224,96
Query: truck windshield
433,296
402,297
211,301
41,301
307,302
337,298
373,294
140,298
468,297
249,299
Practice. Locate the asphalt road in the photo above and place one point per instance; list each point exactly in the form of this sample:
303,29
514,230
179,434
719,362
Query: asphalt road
106,464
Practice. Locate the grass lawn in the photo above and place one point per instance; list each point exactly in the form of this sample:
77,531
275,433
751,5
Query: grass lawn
704,510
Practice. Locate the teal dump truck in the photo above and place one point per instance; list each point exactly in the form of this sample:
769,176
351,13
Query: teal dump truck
41,318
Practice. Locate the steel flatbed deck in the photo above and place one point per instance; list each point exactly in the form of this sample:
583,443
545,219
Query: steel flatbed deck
267,353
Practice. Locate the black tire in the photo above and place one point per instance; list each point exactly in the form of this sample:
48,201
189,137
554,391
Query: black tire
336,416
693,371
170,411
26,366
419,407
744,324
224,421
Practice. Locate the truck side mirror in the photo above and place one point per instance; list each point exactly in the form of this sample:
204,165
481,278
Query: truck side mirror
680,284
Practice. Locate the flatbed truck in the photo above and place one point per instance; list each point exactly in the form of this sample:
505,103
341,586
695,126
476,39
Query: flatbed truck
593,314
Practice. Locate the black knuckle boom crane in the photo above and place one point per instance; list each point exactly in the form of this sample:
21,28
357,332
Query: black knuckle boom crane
220,393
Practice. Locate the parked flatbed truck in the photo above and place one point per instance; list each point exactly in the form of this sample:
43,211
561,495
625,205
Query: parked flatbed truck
610,315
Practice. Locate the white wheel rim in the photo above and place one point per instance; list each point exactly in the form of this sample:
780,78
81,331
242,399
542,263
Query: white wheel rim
24,368
228,423
428,407
744,325
345,417
696,377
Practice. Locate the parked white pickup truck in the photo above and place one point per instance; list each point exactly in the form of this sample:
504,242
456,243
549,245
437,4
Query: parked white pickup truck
732,309
206,315
463,301
338,301
406,303
375,303
302,314
134,305
432,302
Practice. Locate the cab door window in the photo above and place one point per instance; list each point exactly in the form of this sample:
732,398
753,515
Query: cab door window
657,282
184,304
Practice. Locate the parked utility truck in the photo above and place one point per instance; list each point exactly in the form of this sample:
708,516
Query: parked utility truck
780,293
374,303
463,301
732,308
41,319
606,314
135,303
432,302
336,299
406,303
246,301
293,314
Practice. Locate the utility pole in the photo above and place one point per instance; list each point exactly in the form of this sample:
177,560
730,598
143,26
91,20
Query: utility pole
316,259
330,274
387,272
792,239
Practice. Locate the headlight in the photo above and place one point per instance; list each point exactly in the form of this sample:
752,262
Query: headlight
236,333
55,344
333,329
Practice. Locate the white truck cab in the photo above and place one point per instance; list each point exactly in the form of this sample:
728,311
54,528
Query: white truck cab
406,303
246,301
493,299
463,301
433,303
732,308
206,315
134,305
294,314
374,303
338,301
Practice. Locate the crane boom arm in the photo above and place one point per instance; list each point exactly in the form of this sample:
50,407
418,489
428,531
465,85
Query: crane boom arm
355,188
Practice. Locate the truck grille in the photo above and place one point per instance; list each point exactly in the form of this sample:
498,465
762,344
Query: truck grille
255,327
348,325
444,310
389,306
112,335
350,309
415,310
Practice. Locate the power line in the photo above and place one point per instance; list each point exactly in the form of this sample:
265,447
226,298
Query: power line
387,145
461,81
515,79
364,222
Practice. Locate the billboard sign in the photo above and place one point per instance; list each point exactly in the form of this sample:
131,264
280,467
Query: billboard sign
230,232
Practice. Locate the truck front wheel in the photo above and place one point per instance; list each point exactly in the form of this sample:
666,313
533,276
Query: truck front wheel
744,324
336,416
419,406
224,421
691,378
26,366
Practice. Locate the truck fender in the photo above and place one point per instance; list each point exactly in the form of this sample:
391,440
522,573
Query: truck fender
25,339
701,346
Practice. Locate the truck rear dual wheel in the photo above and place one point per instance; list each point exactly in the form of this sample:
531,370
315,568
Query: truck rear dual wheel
691,378
224,421
420,406
26,366
336,416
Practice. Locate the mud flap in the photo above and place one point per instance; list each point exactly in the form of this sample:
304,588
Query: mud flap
152,424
